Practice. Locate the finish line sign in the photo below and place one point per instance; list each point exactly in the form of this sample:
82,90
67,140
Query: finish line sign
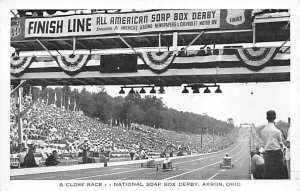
122,23
129,23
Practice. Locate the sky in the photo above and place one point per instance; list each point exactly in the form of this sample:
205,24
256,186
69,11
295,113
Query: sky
235,101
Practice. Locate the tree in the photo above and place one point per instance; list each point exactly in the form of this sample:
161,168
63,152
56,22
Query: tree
230,121
117,109
86,103
167,120
153,117
149,110
136,115
151,101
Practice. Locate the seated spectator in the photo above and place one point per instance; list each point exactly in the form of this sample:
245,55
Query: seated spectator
182,53
143,154
201,52
257,165
180,153
163,154
52,159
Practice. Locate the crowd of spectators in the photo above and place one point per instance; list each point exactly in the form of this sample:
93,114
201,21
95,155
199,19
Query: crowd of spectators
47,127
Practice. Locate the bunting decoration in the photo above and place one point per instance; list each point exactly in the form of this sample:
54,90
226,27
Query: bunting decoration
19,64
158,61
256,58
72,64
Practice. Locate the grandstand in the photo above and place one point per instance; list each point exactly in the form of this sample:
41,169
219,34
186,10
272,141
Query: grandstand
48,128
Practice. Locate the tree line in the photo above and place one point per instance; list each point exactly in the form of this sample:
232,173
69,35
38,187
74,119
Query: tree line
133,108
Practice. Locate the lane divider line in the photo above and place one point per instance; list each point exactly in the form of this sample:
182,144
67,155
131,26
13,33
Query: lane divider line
152,172
101,170
213,176
43,177
106,174
208,157
122,179
191,171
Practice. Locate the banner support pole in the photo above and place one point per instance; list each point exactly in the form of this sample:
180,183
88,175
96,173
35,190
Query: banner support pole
44,47
200,34
127,43
159,41
284,42
254,34
14,90
175,41
74,44
20,118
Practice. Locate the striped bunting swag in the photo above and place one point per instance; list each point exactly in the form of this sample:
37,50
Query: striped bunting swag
73,64
256,58
158,61
19,64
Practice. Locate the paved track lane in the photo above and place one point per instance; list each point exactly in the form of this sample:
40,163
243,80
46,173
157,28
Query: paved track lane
198,167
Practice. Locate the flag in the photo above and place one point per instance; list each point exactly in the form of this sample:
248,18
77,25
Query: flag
111,120
47,98
61,100
74,105
68,102
55,98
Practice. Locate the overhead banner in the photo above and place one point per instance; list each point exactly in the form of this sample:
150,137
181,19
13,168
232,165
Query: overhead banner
122,23
129,23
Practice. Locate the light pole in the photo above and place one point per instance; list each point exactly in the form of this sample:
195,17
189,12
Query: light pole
201,135
213,135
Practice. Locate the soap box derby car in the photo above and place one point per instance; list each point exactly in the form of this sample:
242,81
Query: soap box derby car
226,162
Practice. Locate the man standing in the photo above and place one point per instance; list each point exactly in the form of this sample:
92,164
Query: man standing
287,153
272,139
132,153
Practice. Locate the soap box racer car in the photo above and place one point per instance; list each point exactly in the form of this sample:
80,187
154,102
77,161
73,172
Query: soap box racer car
226,162
167,165
150,163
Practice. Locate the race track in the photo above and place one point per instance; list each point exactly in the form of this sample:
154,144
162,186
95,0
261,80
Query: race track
195,167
